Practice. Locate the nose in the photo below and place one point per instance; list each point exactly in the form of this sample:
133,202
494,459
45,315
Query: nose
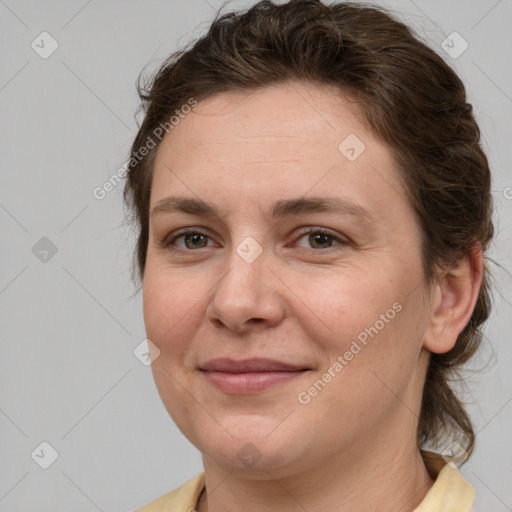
247,296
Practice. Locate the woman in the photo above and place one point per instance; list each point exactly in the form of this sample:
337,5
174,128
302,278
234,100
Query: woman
314,209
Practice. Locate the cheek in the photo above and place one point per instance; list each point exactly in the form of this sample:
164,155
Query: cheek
171,306
362,383
348,305
368,327
171,316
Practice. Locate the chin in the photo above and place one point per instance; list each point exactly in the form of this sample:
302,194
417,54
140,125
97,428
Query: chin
251,450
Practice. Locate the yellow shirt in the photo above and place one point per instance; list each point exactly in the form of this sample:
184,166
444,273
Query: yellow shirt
451,492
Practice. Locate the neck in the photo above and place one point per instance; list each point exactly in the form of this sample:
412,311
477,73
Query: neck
399,481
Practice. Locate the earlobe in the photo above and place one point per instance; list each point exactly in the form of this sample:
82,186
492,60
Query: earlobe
453,300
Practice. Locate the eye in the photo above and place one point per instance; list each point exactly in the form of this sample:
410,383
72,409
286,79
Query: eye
320,238
190,240
315,238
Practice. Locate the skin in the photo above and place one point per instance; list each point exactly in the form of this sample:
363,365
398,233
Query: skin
303,300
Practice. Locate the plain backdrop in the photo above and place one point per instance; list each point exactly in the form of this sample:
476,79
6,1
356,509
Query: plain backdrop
69,319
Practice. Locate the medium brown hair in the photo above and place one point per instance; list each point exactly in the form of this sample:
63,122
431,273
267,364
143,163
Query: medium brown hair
410,98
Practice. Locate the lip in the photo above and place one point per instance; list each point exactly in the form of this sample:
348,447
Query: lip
255,364
249,376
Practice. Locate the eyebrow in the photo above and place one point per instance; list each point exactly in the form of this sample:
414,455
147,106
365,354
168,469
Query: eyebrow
280,209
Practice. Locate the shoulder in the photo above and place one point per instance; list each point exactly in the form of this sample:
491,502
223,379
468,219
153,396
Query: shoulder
451,492
182,499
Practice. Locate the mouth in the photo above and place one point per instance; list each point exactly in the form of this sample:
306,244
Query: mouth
249,376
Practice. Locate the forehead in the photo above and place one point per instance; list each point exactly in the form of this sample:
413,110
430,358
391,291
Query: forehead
275,119
290,136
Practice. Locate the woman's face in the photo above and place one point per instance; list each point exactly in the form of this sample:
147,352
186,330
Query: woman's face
343,304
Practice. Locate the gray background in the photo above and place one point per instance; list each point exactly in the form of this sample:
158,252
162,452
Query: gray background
69,324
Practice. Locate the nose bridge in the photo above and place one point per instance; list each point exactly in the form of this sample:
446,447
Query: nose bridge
245,278
245,293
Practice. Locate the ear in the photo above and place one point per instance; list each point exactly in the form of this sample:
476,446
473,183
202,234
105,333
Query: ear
453,300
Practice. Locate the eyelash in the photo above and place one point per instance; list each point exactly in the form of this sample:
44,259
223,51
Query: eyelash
168,243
